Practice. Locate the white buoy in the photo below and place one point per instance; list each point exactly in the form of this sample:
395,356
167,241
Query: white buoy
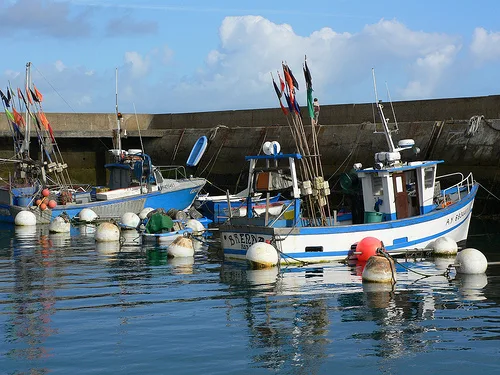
196,226
471,261
379,269
144,213
130,220
87,215
262,255
25,218
59,225
107,232
445,246
181,247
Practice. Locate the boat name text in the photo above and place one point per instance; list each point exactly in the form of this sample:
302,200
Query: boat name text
245,240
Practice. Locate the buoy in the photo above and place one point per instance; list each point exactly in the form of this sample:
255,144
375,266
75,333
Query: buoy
470,261
107,232
59,225
367,247
130,220
25,218
196,226
379,269
87,215
262,255
181,247
52,204
144,213
38,202
445,246
43,206
45,192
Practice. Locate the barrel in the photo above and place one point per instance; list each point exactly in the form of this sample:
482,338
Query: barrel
373,217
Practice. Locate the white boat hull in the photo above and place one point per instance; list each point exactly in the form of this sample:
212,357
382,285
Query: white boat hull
323,244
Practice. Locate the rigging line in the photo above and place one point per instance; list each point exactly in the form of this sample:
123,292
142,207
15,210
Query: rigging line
53,88
488,191
138,128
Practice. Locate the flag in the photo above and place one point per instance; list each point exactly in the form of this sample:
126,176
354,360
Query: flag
289,102
276,88
44,120
294,81
310,104
285,111
9,115
18,119
5,99
282,83
307,76
296,106
38,95
289,83
28,95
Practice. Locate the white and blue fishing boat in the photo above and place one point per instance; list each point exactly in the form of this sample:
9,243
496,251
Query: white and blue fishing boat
406,205
43,186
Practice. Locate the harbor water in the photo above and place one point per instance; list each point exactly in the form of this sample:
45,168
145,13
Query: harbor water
69,305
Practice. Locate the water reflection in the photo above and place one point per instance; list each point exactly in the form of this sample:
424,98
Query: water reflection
32,300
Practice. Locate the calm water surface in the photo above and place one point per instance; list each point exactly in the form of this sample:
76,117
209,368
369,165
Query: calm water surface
71,306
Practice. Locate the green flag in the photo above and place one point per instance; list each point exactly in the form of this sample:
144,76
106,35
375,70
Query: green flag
9,115
310,106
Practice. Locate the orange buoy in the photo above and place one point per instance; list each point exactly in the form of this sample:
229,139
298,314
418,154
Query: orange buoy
38,202
43,206
45,192
52,203
367,247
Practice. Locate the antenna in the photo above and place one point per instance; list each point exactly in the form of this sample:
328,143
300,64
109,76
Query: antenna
375,85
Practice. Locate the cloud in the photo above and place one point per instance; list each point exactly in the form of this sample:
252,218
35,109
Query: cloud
46,18
251,47
139,66
485,45
125,25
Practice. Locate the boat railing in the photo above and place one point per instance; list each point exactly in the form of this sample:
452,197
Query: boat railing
454,193
172,171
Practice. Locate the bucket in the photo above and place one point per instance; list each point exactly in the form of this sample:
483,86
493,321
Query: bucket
24,201
373,217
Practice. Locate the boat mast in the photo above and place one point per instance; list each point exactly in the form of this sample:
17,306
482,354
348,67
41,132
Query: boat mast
387,132
118,119
26,143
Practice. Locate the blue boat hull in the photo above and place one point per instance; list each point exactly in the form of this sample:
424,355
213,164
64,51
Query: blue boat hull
179,199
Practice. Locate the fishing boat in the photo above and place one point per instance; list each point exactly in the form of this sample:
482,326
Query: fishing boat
43,186
405,204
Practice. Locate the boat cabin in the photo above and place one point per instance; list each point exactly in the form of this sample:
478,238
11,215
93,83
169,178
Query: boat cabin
399,191
131,168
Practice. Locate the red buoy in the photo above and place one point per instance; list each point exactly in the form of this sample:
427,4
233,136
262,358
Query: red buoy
52,203
43,206
45,192
367,247
38,202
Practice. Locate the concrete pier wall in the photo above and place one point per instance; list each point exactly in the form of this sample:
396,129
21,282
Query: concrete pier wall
346,135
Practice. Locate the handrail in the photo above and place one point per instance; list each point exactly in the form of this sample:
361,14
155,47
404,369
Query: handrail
178,169
451,174
465,182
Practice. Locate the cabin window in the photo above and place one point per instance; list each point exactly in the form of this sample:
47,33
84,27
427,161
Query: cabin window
377,187
429,177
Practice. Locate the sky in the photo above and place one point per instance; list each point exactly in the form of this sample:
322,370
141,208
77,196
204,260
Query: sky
198,55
